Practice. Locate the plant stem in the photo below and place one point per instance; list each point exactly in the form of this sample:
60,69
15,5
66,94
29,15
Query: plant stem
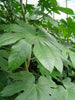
26,66
25,6
27,62
66,7
23,11
33,58
26,3
29,58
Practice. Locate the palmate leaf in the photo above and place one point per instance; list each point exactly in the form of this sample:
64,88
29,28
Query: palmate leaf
47,53
67,93
46,48
44,89
31,91
18,32
19,53
48,5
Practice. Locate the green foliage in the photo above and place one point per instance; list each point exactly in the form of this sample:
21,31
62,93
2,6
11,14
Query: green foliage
46,48
66,10
37,55
38,91
44,88
67,27
9,11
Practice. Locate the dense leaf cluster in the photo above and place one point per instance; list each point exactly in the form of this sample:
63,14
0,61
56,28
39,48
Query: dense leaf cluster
37,52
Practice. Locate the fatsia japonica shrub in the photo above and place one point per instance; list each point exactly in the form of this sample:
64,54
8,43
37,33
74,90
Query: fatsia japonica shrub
25,39
33,64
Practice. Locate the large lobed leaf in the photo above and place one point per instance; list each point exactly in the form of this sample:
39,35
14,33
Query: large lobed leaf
44,89
31,91
46,48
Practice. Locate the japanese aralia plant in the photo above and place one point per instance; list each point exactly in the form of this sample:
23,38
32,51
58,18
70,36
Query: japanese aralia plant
29,42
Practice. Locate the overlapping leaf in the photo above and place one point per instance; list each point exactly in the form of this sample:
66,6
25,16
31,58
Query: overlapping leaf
67,93
25,82
70,89
48,51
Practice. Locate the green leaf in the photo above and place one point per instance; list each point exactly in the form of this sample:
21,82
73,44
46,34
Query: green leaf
19,84
39,91
59,92
12,27
4,53
70,89
46,48
31,91
66,10
22,75
3,59
8,38
46,57
19,53
48,5
15,32
43,70
52,21
47,52
3,64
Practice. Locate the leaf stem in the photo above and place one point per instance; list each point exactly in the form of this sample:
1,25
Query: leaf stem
26,66
29,58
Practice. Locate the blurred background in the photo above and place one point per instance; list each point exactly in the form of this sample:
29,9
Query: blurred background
63,3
